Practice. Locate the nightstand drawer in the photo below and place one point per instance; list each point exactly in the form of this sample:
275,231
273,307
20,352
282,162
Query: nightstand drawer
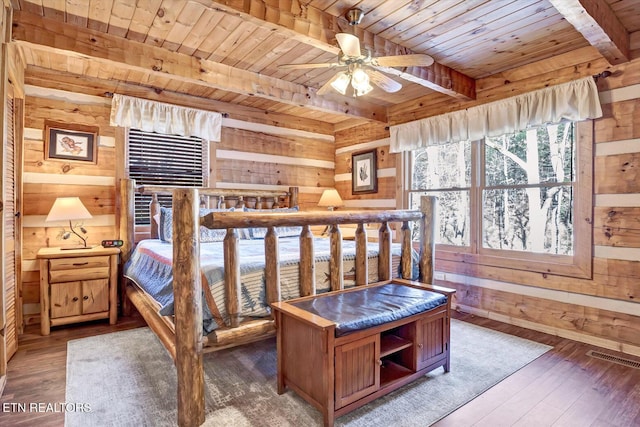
82,268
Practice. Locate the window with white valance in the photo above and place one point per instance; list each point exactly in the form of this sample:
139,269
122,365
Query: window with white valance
575,101
168,119
513,180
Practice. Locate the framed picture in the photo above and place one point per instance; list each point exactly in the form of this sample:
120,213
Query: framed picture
70,142
364,177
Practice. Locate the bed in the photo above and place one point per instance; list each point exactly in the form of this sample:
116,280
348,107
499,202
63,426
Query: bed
206,307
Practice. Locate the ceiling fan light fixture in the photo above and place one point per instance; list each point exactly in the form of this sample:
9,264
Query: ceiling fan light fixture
341,83
363,91
360,80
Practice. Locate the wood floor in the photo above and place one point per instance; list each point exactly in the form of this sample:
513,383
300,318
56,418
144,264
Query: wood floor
564,387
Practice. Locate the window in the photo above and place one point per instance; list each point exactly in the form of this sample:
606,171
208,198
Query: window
158,159
512,201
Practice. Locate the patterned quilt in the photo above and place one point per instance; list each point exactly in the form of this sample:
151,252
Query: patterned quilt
150,268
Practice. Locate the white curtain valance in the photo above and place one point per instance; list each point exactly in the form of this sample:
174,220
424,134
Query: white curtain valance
576,100
152,116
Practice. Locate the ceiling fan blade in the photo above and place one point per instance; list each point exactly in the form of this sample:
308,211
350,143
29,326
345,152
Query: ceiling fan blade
310,65
349,44
384,82
413,60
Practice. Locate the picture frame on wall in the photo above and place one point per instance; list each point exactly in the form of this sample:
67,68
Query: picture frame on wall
364,177
73,142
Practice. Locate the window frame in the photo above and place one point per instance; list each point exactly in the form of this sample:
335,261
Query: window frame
578,265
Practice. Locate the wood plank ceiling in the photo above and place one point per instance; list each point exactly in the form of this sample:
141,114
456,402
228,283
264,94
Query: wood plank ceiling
226,53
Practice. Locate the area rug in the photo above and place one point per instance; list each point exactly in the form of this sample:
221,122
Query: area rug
127,379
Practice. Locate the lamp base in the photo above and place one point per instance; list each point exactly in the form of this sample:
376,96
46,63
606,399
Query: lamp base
66,248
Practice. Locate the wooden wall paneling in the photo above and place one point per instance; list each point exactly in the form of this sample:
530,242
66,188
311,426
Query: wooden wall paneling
251,172
574,319
359,134
617,173
99,199
621,120
540,68
625,75
605,283
255,142
386,190
309,201
89,114
617,226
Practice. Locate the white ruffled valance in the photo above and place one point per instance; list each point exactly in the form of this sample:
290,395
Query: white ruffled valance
152,116
576,100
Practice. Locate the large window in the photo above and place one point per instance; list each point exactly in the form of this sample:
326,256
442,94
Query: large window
158,159
521,200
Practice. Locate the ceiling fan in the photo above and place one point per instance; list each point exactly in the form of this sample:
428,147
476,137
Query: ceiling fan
358,67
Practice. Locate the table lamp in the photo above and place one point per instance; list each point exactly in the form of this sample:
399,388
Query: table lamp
70,209
331,199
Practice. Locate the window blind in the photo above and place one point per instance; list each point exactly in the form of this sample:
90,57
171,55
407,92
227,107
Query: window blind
166,160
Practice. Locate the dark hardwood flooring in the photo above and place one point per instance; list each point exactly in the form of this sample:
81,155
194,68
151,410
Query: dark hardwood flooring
564,387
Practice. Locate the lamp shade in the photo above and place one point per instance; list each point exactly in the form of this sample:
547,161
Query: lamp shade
67,209
330,198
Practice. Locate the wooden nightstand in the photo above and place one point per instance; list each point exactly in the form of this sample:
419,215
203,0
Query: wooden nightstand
77,285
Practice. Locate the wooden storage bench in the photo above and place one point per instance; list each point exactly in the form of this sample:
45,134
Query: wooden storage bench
343,349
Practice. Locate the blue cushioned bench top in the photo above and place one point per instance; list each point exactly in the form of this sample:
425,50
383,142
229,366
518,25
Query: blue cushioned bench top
371,306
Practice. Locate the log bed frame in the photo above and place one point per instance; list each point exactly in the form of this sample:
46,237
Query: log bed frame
182,334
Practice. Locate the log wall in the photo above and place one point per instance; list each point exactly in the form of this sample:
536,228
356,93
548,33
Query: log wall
254,153
603,310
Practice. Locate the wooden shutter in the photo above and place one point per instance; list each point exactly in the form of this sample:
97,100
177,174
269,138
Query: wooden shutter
9,217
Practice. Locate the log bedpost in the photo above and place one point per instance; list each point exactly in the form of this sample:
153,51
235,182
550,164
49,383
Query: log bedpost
154,209
336,278
272,267
427,238
127,213
232,285
293,197
384,254
127,233
362,260
187,294
406,259
307,263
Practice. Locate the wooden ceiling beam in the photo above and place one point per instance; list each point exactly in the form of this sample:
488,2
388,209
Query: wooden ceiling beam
83,44
595,20
318,29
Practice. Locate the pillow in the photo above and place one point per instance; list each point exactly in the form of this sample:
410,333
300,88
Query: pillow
260,232
165,228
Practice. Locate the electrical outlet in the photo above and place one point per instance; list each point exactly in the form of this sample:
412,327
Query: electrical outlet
438,275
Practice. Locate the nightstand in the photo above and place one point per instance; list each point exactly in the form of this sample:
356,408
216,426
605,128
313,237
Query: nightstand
77,285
